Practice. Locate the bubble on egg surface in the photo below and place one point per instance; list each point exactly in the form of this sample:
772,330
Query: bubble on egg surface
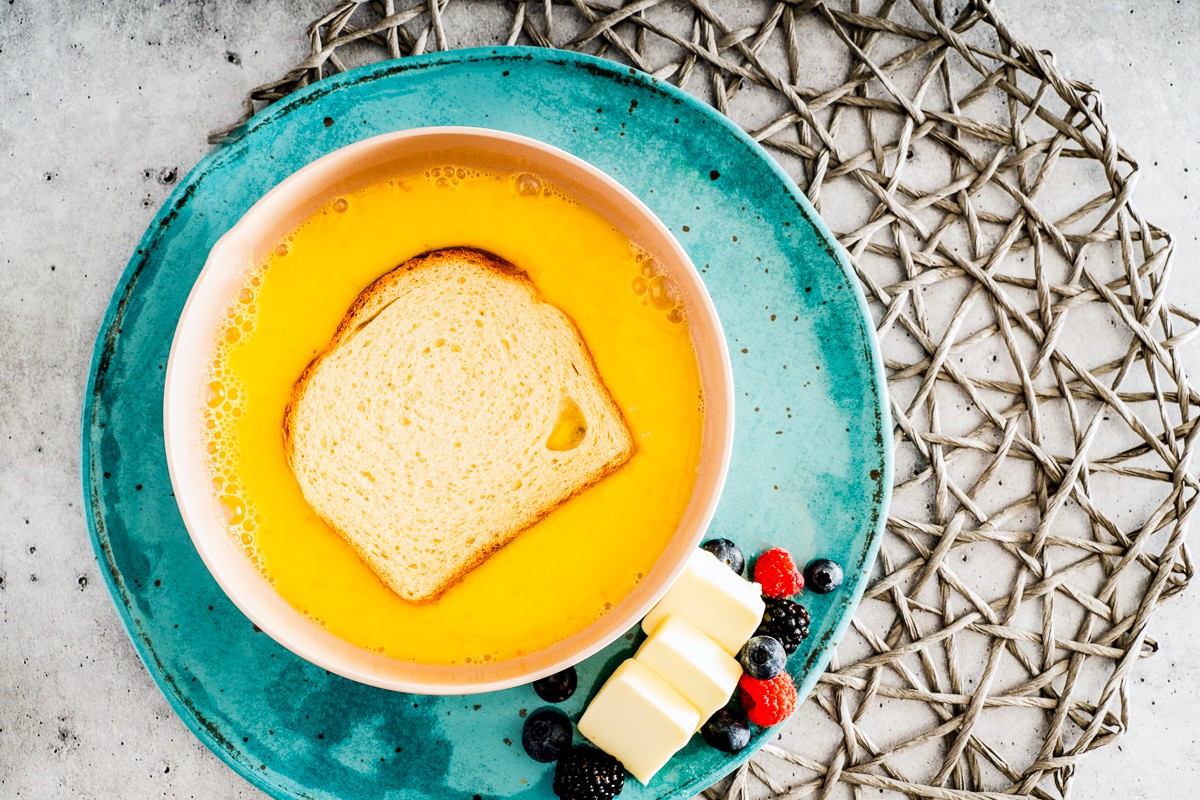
215,394
527,185
655,289
662,292
234,508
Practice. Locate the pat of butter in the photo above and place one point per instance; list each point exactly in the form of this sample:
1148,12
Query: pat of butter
692,663
639,719
712,597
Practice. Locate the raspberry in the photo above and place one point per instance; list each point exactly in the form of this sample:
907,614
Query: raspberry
588,774
786,621
768,702
777,574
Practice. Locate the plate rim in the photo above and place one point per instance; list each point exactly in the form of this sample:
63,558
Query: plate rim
108,331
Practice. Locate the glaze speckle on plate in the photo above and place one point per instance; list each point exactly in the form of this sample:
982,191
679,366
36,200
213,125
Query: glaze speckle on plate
811,462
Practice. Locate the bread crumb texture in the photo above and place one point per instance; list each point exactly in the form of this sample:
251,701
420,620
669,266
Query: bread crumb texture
452,410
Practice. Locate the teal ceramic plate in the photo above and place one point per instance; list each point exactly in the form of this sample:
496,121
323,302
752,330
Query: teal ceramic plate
811,462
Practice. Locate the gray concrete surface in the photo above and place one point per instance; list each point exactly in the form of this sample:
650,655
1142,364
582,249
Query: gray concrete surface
97,99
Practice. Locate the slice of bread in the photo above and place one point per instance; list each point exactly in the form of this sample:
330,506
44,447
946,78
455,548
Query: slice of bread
452,410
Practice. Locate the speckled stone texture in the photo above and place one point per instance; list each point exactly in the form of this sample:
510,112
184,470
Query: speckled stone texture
103,105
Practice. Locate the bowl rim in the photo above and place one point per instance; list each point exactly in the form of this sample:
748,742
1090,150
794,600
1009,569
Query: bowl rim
206,538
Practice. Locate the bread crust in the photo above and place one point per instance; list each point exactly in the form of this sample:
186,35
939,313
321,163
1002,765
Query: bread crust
349,325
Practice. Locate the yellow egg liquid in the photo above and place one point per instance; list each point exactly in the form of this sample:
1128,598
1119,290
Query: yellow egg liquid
559,575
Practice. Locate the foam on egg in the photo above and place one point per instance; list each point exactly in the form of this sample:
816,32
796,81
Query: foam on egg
225,401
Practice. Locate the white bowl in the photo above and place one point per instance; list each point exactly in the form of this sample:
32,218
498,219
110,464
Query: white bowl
246,244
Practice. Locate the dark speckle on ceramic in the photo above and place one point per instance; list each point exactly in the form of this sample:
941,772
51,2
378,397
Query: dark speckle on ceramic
293,729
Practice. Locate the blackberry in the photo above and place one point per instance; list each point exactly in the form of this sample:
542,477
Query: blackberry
586,773
786,621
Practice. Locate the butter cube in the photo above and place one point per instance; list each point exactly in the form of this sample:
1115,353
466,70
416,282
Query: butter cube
639,719
712,597
692,663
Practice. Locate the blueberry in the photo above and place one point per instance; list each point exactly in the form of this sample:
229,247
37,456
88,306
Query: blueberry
557,687
822,576
726,731
727,552
763,657
547,734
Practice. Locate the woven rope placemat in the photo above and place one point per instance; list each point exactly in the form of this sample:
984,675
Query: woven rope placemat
1044,424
